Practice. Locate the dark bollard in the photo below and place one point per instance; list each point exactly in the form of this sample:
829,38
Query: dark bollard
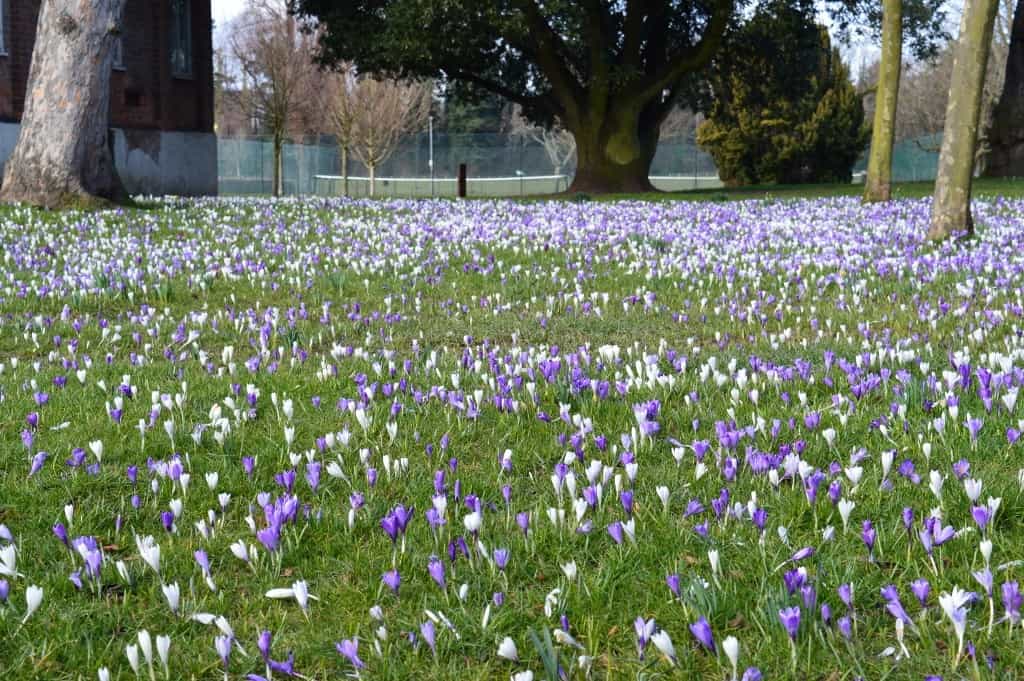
461,190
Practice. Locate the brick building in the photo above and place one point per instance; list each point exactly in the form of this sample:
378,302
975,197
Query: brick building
161,92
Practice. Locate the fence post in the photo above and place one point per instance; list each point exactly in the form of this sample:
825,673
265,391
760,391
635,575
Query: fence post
461,189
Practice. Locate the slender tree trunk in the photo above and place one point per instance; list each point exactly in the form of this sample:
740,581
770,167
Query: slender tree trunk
344,169
278,149
613,157
63,153
373,179
951,207
1006,137
878,186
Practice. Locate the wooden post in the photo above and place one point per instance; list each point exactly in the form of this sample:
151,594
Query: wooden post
461,191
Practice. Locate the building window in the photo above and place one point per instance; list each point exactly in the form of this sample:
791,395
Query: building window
181,38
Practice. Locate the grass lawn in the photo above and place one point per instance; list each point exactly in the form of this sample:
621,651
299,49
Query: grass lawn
503,439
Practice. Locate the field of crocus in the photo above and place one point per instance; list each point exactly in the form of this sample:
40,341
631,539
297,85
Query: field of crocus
484,440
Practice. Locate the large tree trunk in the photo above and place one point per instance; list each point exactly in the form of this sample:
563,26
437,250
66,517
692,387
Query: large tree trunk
878,186
63,154
614,157
951,207
1006,137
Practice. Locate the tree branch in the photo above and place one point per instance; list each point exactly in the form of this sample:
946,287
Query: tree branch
691,58
633,33
551,58
537,101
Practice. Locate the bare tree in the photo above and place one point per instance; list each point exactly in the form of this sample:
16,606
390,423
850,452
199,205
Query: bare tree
382,113
63,151
680,122
338,91
274,57
558,143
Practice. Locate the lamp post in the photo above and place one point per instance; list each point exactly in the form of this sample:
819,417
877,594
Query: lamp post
431,161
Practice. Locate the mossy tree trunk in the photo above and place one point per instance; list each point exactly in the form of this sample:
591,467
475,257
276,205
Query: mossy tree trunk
614,155
63,154
878,186
951,206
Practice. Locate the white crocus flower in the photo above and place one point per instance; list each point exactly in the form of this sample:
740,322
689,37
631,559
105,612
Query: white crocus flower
507,649
663,642
33,599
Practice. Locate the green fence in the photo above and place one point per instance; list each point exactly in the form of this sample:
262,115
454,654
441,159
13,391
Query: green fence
499,165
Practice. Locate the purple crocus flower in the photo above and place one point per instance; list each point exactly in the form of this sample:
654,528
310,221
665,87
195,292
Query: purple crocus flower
61,533
802,554
313,475
5,590
894,606
921,588
37,463
523,521
867,534
809,596
389,524
845,627
701,631
615,530
794,579
429,633
644,630
627,501
908,518
501,558
436,569
973,427
349,648
263,644
392,579
673,584
1012,601
752,674
790,618
981,516
985,579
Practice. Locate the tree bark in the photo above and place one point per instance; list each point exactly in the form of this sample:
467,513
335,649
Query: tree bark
278,149
344,170
1006,136
373,179
63,154
951,207
614,156
878,186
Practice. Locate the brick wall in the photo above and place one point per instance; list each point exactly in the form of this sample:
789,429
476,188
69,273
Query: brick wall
144,94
